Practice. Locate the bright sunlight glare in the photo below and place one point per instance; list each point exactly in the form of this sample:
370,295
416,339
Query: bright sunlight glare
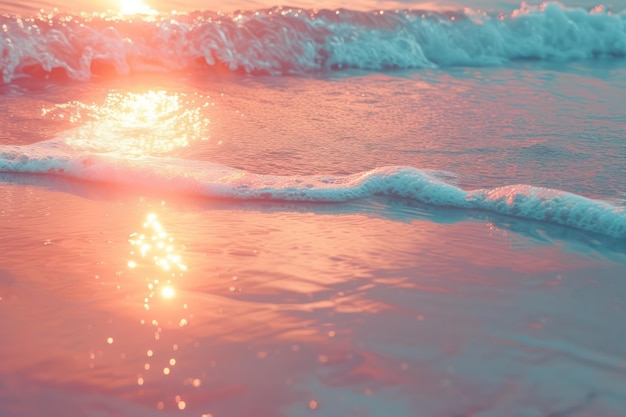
167,292
136,124
131,7
157,247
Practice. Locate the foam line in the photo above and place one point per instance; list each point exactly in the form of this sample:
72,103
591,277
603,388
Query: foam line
219,181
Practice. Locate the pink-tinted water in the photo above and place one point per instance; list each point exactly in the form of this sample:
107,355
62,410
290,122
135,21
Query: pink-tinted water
370,308
365,309
128,302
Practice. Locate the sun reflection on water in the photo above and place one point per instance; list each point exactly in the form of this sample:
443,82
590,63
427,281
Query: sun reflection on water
168,292
155,257
157,246
136,124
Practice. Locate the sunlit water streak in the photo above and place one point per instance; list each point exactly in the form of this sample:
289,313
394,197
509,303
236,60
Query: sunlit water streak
135,124
158,248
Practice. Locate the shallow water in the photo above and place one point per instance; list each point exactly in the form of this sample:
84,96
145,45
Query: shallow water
424,240
363,308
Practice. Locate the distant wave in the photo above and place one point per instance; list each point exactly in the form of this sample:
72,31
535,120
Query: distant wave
201,178
281,41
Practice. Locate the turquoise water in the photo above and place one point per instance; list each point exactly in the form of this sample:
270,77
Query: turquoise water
412,217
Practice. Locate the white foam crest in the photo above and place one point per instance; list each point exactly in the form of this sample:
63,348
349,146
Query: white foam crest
292,41
219,181
552,206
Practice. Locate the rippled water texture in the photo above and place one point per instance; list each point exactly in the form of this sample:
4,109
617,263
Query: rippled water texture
113,304
289,213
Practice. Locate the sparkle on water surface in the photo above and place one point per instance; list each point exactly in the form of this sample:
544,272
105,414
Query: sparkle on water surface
135,124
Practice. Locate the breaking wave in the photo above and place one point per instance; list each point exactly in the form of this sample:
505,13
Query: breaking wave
287,41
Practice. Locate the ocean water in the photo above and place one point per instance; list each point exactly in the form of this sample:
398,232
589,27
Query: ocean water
381,209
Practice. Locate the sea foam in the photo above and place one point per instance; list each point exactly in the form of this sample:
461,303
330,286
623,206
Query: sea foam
174,175
281,41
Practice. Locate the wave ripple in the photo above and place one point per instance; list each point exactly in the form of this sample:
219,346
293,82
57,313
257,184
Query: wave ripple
218,181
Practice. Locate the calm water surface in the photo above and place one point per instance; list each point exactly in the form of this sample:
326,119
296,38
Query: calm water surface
362,309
